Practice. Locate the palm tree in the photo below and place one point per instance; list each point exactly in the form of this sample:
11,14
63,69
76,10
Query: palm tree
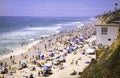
116,4
116,12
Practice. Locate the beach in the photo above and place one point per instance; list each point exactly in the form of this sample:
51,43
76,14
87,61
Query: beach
63,53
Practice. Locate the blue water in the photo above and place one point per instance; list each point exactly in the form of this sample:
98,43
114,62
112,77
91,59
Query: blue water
16,30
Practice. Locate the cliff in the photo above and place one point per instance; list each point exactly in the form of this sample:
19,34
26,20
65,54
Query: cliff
108,65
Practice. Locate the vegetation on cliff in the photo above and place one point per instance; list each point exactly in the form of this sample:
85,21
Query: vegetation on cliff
110,17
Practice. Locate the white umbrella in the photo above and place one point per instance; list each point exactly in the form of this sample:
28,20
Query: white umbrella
90,50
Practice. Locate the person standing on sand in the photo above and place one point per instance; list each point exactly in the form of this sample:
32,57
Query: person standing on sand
10,57
2,76
45,47
76,62
31,76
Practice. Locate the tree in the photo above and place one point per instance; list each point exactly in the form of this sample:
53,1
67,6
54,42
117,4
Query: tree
116,4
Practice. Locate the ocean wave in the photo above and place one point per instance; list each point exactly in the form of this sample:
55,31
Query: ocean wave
76,23
44,28
71,25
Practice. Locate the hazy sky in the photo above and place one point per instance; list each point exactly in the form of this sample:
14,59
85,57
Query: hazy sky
55,7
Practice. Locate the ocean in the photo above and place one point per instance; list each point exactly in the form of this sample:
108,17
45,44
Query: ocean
15,30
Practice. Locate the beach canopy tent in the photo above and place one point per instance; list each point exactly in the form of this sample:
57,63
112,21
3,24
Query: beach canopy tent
90,51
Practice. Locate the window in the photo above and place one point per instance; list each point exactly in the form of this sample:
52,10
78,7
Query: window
104,30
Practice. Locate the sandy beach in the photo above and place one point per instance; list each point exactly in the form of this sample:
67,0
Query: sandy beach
64,54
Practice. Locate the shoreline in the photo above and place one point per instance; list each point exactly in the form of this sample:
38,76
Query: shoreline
29,47
19,50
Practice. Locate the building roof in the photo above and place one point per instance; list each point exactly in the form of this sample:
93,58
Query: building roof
109,25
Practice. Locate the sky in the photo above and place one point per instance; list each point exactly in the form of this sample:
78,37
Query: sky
56,8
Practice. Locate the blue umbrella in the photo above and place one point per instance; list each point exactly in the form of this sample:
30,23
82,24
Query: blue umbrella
42,56
70,48
81,39
50,50
23,63
46,67
87,62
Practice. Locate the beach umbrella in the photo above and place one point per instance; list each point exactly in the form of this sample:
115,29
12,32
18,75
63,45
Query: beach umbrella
62,57
70,48
46,67
42,56
90,50
76,40
81,38
50,50
87,62
23,63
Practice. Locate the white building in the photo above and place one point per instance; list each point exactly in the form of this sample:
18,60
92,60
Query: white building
106,34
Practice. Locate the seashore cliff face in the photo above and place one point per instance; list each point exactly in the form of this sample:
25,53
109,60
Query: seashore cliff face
108,64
